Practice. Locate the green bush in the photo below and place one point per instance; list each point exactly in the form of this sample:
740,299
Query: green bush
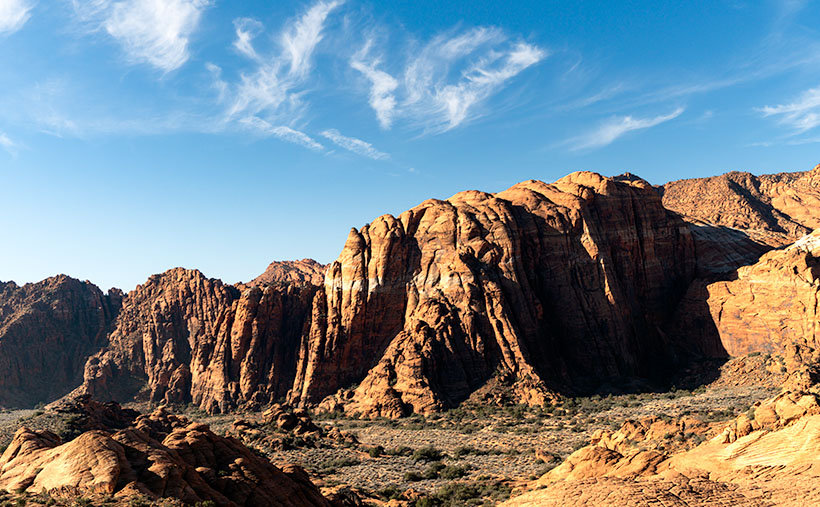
427,453
457,494
399,451
412,476
451,472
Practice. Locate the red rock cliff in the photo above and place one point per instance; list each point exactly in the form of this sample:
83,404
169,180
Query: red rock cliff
47,331
183,337
563,284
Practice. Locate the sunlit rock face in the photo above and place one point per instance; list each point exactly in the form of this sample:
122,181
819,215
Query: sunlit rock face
563,284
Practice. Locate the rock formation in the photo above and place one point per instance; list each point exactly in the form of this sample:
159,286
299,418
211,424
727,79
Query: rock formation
47,331
182,337
768,307
775,209
541,280
305,271
532,284
770,459
158,455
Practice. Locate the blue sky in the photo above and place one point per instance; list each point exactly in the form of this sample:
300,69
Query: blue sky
139,135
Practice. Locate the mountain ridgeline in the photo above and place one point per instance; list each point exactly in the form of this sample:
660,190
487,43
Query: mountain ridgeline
586,284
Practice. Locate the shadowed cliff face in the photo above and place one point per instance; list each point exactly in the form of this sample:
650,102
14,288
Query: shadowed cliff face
47,331
565,285
182,337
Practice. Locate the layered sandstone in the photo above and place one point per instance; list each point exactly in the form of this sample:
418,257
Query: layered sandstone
768,307
541,280
775,209
47,331
532,284
159,455
770,459
305,271
182,337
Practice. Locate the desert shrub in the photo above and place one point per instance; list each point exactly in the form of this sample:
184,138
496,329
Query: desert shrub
432,471
390,493
451,472
375,452
412,476
460,452
459,494
427,453
330,466
399,451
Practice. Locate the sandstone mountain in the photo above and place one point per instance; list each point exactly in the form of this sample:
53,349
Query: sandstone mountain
182,337
533,284
47,331
299,272
157,455
541,280
775,209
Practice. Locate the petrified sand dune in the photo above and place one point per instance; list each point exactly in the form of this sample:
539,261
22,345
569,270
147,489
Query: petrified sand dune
769,306
420,310
538,280
771,460
305,271
159,455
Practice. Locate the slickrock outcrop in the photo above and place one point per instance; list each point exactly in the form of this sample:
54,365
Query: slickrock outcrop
769,307
775,209
182,337
305,271
159,455
771,459
563,284
47,331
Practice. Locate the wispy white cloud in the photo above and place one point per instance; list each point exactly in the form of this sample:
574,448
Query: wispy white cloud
442,84
357,146
801,115
616,127
382,99
273,89
246,30
13,15
156,32
7,144
300,39
282,132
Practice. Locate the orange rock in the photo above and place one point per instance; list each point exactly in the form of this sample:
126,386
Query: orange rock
305,271
776,209
190,338
541,280
161,455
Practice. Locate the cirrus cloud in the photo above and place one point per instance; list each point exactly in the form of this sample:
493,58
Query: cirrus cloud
13,15
609,131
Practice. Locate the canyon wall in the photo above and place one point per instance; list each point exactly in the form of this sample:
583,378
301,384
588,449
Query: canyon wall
47,331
